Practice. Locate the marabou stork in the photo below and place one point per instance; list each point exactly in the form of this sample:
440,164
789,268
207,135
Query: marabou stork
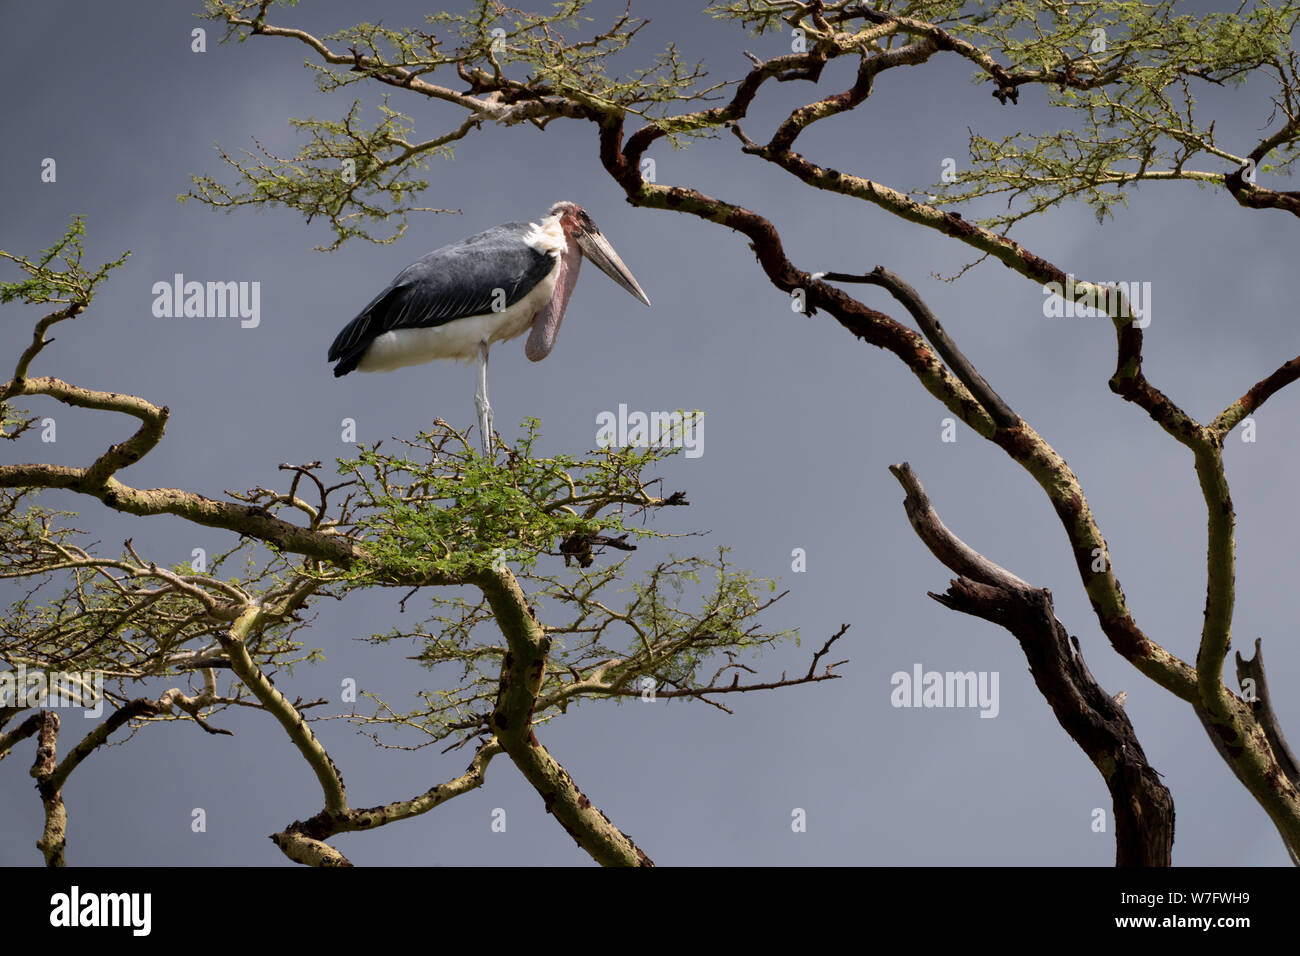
456,301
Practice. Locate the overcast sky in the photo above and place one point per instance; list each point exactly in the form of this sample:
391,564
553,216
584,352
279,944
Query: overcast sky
803,421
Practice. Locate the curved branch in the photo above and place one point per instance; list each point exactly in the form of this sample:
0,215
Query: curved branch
20,733
153,420
15,385
303,840
954,553
140,707
1253,670
522,671
1096,721
202,510
51,774
1258,197
233,642
1022,443
998,410
1256,396
397,75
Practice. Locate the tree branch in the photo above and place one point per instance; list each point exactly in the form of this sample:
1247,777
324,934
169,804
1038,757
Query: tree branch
998,410
522,671
1253,670
1143,806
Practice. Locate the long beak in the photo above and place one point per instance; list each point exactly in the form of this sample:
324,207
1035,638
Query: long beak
597,248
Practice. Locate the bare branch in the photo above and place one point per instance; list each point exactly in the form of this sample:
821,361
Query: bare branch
998,410
1096,721
1253,670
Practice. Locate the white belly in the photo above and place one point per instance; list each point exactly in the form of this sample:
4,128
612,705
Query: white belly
458,339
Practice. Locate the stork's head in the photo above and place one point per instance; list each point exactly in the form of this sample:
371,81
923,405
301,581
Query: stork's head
579,228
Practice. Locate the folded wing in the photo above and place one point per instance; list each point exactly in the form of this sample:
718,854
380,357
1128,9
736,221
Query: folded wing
466,278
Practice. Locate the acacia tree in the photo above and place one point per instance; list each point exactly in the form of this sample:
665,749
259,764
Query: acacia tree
1123,76
518,530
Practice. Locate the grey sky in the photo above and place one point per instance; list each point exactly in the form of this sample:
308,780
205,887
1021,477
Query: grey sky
803,421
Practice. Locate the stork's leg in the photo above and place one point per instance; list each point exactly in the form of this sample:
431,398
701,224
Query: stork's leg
481,401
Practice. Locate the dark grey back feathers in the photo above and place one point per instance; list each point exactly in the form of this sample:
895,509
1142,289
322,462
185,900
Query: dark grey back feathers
453,282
